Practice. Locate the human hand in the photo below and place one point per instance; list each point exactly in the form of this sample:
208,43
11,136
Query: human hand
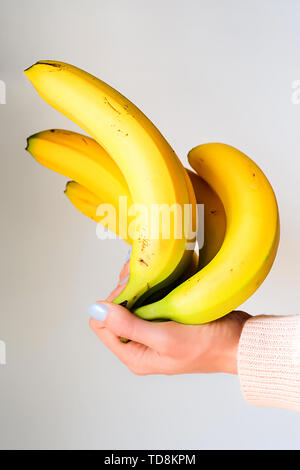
166,347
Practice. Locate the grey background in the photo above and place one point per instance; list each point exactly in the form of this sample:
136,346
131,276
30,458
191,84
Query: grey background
202,71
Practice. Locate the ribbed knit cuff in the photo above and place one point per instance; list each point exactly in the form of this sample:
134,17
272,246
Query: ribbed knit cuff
269,361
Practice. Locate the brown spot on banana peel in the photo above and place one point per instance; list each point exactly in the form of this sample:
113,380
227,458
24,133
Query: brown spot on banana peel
141,260
111,106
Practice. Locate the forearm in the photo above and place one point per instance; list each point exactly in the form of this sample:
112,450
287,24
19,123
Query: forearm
269,361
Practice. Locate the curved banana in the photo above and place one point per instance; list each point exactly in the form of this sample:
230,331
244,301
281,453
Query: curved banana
80,157
151,169
249,247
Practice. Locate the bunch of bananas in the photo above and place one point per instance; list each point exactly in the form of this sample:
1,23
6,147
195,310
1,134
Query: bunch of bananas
128,157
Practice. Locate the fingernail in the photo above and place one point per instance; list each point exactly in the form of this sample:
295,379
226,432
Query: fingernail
98,311
125,280
128,255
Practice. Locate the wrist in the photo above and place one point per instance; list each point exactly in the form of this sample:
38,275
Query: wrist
224,360
228,350
230,363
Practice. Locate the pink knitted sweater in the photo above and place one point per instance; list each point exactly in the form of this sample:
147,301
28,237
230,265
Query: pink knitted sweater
269,361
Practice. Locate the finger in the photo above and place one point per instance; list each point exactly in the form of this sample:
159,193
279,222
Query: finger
109,339
136,356
125,324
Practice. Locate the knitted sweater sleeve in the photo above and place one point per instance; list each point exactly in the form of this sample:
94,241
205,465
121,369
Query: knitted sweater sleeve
269,361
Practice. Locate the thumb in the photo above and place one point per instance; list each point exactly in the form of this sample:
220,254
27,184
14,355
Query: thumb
123,323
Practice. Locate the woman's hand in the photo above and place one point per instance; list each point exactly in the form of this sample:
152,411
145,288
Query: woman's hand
166,347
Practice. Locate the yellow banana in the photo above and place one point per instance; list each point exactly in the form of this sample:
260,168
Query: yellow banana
151,169
80,158
249,247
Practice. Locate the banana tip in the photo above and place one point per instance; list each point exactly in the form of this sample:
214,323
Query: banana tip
66,187
50,63
30,67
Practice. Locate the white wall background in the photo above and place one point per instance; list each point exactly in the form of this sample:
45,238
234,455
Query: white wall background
202,70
